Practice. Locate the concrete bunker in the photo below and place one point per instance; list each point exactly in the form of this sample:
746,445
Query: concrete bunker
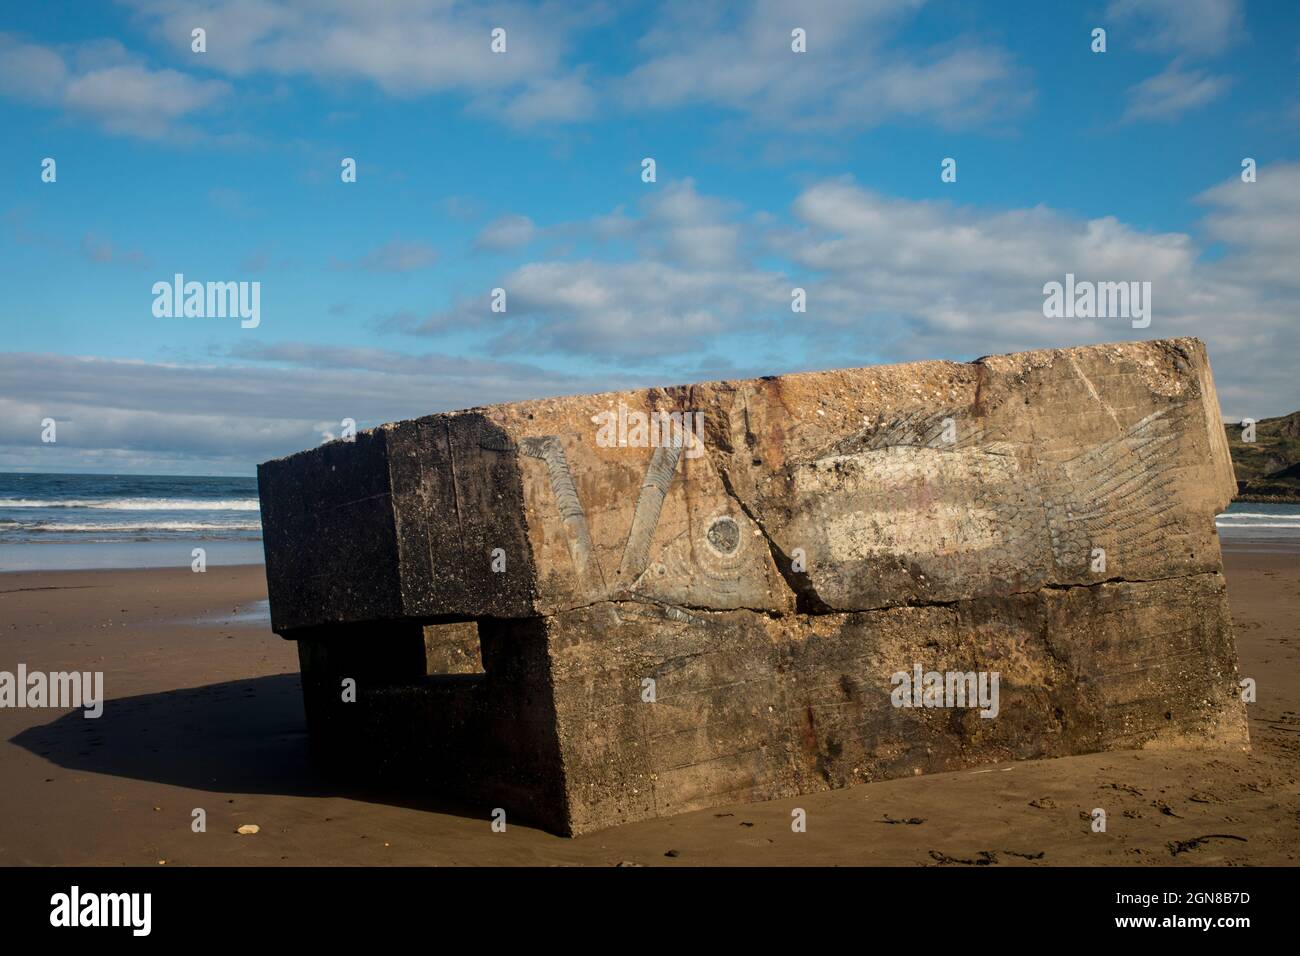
587,632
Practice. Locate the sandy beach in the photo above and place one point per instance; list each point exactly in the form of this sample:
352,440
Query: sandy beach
204,711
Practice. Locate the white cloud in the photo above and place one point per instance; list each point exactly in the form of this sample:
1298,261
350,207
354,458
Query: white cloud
1205,27
122,97
132,99
1258,222
686,247
560,99
405,48
904,279
1169,94
29,72
153,416
508,232
855,73
1188,29
629,310
934,279
921,279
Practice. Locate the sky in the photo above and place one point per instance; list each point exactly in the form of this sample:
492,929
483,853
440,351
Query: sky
523,170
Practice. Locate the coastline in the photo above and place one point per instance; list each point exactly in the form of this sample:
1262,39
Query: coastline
204,712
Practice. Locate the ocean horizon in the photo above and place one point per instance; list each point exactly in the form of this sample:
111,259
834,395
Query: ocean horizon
54,521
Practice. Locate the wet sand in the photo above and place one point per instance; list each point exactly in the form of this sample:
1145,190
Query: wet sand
208,715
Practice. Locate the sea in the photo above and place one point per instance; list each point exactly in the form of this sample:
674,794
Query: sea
52,521
1251,526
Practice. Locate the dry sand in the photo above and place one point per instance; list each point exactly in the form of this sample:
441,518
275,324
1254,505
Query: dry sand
208,715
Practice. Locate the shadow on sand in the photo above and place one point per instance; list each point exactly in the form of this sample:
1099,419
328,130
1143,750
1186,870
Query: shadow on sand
239,737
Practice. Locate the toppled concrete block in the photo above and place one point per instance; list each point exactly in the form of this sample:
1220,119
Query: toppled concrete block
743,590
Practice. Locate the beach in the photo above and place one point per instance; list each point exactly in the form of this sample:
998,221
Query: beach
204,712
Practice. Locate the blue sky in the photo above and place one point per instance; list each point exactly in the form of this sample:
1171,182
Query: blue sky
522,170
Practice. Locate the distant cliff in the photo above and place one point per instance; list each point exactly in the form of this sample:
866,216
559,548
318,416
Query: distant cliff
1268,469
